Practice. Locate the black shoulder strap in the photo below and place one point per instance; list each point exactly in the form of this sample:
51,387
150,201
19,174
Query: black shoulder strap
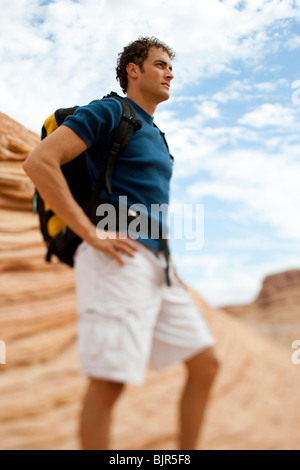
165,141
128,125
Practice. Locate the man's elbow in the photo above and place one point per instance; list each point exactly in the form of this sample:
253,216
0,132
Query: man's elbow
30,165
35,165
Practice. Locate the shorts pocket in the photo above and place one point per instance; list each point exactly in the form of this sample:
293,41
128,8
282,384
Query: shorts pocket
97,276
101,337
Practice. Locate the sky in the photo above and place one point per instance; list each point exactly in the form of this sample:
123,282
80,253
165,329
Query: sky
232,121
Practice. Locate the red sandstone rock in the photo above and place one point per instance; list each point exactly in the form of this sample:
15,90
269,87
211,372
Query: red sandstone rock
277,283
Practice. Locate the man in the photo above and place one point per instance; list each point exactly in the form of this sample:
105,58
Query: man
128,316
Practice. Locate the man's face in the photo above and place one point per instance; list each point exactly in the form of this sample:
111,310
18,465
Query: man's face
154,77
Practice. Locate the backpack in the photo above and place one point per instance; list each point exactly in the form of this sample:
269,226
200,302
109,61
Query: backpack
59,239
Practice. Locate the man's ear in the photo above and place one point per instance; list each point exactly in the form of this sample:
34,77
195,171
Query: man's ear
132,70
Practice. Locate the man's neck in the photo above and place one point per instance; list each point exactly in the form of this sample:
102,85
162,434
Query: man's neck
146,104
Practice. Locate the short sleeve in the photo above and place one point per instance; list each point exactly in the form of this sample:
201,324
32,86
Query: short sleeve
95,122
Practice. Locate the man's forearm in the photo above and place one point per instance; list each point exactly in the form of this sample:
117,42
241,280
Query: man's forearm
53,188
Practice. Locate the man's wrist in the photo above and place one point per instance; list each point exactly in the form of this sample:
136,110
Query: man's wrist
91,234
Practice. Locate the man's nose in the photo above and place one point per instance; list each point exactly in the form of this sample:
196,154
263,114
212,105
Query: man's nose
170,75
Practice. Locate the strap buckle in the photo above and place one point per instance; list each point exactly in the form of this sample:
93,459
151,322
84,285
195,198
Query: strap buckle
135,122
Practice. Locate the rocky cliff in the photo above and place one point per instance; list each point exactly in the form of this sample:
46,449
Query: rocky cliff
277,284
254,403
276,310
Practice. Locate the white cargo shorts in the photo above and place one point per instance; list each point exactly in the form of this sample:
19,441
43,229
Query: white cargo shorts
129,317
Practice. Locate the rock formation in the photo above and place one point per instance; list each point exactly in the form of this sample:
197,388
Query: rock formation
276,310
279,283
255,400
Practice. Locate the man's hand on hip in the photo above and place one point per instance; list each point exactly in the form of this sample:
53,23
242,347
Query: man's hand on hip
112,244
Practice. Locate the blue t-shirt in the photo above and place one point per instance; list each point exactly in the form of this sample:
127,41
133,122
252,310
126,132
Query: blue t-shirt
143,169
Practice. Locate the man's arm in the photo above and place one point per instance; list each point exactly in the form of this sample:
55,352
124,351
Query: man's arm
43,166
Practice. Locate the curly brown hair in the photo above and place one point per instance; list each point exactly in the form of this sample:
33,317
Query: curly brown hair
137,52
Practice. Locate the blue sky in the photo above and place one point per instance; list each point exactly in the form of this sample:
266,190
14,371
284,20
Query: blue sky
232,121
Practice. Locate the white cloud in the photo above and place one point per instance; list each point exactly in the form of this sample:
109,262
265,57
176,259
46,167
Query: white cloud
64,52
245,90
293,42
268,87
270,114
266,185
207,110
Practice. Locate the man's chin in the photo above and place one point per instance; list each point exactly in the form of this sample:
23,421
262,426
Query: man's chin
165,95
